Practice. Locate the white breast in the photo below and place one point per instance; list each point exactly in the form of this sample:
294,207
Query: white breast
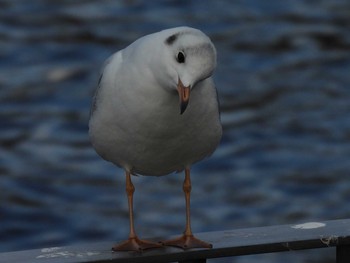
144,133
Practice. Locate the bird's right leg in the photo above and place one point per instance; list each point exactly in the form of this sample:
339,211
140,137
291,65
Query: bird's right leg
133,243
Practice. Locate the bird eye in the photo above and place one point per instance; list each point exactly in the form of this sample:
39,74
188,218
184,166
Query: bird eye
180,57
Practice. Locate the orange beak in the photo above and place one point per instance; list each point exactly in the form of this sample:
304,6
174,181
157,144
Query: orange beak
184,95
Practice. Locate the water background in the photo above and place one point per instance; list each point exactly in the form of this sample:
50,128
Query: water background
283,79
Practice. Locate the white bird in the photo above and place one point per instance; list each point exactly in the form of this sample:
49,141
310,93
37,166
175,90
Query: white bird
136,122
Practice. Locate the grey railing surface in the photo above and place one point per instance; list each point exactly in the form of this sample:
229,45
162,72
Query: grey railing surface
238,242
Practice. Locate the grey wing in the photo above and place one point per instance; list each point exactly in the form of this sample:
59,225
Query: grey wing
218,100
94,98
106,64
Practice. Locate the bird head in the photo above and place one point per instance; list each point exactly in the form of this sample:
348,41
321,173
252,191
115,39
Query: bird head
191,58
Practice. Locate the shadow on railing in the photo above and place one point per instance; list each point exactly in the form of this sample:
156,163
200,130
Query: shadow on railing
228,243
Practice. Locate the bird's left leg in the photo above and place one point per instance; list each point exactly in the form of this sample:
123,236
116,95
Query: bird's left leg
187,240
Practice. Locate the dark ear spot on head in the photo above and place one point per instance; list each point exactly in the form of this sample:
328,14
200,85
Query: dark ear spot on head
170,40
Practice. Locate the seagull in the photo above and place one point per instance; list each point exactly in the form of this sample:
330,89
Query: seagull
156,112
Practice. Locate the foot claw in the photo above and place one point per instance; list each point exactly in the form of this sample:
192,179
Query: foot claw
186,242
135,244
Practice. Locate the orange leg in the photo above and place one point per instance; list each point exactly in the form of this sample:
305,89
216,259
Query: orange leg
187,240
133,243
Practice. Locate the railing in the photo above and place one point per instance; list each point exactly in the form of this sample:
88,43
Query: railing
228,243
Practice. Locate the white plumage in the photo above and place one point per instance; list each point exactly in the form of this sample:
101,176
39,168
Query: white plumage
156,110
136,122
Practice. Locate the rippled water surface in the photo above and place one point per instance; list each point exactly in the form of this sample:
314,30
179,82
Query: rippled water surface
284,87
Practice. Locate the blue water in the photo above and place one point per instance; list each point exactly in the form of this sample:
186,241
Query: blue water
284,86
